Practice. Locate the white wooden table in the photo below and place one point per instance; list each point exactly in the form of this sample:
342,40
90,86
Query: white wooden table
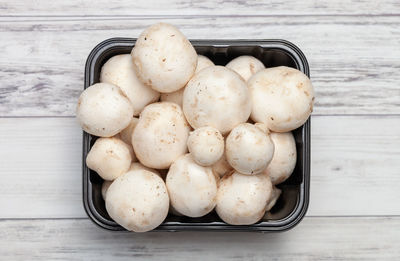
353,47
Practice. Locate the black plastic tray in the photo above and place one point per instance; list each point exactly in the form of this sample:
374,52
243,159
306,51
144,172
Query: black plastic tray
293,203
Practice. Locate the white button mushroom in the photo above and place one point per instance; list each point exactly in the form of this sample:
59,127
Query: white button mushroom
242,199
163,58
217,97
206,145
104,187
118,70
103,110
246,66
133,155
282,98
161,135
177,96
138,165
138,200
203,62
274,198
284,160
248,149
109,157
192,188
221,167
126,136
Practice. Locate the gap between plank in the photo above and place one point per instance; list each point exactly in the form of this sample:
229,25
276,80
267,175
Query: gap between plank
38,18
201,16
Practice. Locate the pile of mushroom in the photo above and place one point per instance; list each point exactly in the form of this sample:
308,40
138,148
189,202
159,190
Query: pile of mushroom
177,134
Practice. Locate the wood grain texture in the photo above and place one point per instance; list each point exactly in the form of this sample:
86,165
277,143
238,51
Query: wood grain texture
355,168
313,239
205,7
354,61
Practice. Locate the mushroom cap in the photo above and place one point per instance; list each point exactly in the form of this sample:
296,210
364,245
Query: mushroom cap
248,149
192,188
284,160
103,110
138,165
175,97
104,187
221,167
274,198
246,66
163,58
282,98
133,155
138,200
161,135
203,62
206,145
126,136
242,199
109,157
216,97
118,70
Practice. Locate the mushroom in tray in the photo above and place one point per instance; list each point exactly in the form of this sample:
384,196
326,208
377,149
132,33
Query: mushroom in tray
206,145
109,157
103,110
216,97
161,135
284,160
246,66
138,200
282,98
249,149
242,199
192,188
163,58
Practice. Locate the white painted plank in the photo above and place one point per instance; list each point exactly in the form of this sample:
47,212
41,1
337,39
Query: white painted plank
40,166
204,7
355,167
354,61
312,239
